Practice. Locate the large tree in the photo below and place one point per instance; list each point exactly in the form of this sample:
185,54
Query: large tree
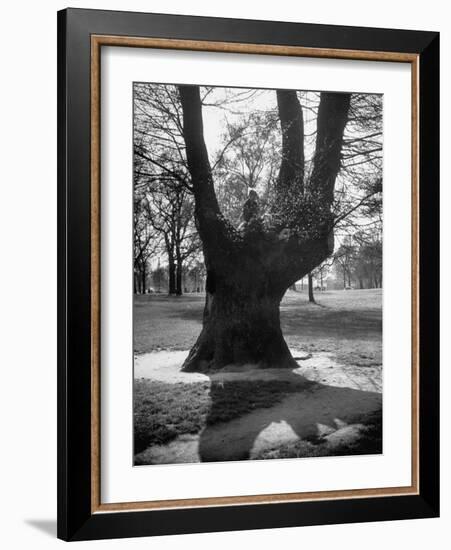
249,270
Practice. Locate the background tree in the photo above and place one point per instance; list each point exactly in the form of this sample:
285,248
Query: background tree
160,277
249,160
311,295
344,259
319,274
196,273
145,243
161,177
170,213
368,261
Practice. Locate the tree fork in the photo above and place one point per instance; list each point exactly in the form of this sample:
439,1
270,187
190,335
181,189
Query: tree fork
246,279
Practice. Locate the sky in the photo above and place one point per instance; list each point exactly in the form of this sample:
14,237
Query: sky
214,118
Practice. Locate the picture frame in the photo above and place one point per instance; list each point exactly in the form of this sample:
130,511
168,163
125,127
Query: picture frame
81,36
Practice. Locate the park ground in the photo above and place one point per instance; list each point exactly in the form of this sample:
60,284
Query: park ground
330,405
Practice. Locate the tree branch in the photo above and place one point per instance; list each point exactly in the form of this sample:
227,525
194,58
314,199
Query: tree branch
211,223
332,117
354,208
291,174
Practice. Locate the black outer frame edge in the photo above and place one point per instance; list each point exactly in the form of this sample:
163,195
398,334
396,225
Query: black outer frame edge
257,516
75,521
62,465
74,301
252,31
429,272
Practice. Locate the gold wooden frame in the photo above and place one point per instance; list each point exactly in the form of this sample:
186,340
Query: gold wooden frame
97,41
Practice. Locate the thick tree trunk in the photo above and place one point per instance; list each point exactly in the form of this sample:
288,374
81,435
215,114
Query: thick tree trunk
241,325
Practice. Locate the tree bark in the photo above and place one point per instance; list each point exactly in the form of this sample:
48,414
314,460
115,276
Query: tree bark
249,272
143,278
171,275
178,277
241,325
291,174
311,296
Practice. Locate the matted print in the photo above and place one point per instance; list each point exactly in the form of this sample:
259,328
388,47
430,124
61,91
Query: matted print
257,273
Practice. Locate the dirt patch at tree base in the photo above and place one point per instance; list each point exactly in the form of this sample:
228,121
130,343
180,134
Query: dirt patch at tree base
165,366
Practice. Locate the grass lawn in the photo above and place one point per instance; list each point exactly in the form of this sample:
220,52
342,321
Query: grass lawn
347,324
166,322
164,411
370,442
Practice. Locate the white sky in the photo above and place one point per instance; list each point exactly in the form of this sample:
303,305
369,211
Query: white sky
214,118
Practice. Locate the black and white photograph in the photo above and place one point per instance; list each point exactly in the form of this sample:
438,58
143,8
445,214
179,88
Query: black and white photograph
257,273
225,314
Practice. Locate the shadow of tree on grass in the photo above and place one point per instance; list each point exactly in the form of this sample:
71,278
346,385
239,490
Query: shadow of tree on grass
311,414
253,414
